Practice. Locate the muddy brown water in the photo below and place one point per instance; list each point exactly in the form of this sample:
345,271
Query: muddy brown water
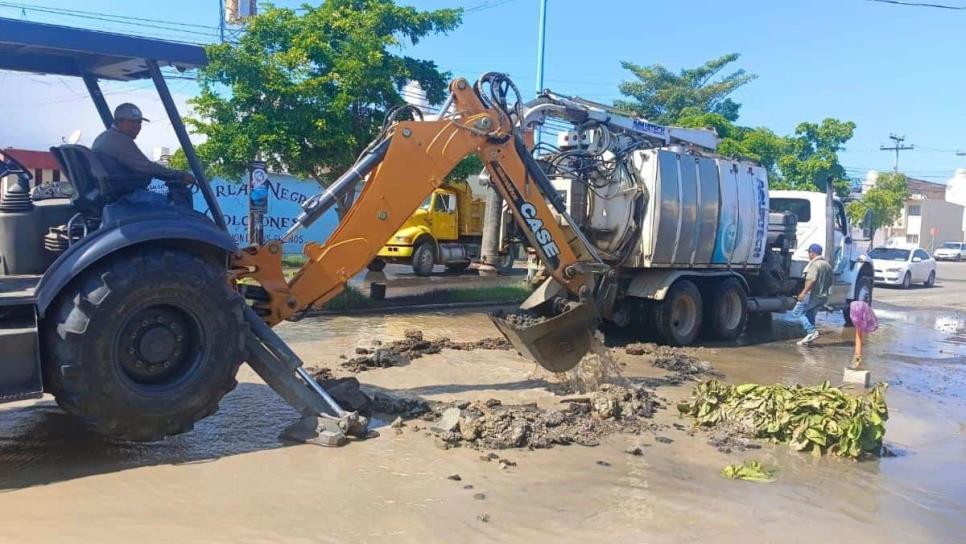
231,480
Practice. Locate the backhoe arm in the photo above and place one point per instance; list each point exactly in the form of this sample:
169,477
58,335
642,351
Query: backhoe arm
412,160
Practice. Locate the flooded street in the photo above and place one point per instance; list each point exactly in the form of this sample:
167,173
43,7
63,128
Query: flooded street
231,480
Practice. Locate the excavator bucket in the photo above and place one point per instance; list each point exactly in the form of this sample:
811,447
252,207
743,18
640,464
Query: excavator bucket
557,343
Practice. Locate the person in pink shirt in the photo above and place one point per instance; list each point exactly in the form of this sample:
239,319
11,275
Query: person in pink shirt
865,322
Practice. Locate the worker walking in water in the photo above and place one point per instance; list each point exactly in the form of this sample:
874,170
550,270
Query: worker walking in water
814,294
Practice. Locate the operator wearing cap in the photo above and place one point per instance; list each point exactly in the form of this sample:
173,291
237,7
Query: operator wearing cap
814,295
130,171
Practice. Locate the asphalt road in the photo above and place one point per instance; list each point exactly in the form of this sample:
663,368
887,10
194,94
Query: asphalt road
949,292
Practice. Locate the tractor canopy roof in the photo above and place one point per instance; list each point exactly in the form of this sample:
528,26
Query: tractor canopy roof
27,46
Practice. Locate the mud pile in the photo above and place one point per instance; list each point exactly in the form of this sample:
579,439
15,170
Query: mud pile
676,360
414,346
493,425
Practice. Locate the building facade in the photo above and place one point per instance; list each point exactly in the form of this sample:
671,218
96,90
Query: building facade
41,164
927,220
956,192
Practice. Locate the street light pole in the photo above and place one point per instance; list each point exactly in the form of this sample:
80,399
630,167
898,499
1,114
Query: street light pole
541,46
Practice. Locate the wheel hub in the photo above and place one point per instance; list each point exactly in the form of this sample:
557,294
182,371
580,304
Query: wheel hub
156,344
683,315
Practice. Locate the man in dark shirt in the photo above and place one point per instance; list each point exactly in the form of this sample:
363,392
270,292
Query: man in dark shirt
130,169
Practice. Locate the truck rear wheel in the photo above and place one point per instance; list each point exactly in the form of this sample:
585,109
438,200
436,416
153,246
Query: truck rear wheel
376,265
726,313
424,258
144,344
678,316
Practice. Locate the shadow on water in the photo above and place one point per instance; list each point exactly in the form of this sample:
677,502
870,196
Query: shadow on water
42,445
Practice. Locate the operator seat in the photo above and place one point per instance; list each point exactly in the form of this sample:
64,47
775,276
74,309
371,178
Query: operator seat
87,176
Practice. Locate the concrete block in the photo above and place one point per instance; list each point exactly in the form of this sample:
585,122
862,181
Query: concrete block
860,377
321,431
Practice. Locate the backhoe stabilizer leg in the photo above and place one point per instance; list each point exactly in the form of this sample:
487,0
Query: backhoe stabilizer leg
323,421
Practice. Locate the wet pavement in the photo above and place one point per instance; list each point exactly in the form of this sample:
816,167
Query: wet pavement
231,480
400,280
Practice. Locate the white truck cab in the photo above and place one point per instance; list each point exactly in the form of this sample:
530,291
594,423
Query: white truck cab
854,276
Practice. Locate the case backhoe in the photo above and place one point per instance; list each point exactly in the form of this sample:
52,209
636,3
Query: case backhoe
136,317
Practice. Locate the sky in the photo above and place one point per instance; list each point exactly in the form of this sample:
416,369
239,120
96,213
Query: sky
889,68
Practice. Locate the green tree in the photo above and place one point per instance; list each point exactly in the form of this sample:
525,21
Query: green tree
659,95
308,89
799,162
758,145
812,156
884,200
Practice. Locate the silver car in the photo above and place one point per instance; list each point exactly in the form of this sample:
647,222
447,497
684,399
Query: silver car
951,251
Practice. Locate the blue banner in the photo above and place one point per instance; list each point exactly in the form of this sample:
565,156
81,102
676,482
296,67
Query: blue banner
285,197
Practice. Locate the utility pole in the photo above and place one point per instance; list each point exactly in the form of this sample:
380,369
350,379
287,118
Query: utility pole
541,46
221,20
897,147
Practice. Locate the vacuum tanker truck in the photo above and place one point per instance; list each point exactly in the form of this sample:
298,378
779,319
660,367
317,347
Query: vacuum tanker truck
696,241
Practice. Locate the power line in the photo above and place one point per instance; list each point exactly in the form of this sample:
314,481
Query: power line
489,4
141,23
919,4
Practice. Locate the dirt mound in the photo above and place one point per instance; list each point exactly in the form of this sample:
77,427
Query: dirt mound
677,360
414,346
493,425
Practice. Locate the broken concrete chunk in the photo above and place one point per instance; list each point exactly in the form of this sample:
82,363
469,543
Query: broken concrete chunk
448,421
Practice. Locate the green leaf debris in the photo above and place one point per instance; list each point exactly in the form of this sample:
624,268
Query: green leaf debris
750,470
819,419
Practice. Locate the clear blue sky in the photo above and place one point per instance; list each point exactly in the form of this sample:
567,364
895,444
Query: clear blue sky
888,68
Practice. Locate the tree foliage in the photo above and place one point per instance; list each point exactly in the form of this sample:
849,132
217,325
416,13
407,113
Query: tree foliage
885,200
308,89
801,161
660,95
812,156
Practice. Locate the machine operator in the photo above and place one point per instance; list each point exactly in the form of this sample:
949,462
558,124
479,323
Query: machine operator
130,171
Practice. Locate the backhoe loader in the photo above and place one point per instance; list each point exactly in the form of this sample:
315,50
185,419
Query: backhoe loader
136,317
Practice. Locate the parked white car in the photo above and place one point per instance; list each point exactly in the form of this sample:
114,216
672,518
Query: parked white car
951,251
903,266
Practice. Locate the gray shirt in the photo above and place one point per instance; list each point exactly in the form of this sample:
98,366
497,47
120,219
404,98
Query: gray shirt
123,159
819,272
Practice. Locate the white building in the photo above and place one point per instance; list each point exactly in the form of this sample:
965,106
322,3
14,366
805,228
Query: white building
928,219
956,190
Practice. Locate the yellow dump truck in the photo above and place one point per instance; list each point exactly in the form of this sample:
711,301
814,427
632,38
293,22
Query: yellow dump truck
447,229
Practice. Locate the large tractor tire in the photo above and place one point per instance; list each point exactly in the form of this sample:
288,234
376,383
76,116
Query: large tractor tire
726,313
677,318
424,258
144,344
